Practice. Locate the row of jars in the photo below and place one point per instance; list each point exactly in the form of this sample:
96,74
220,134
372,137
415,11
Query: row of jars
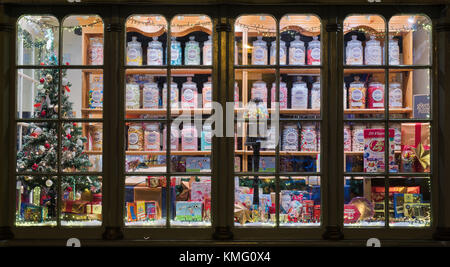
307,140
372,97
297,53
155,52
301,96
354,136
151,99
373,52
148,137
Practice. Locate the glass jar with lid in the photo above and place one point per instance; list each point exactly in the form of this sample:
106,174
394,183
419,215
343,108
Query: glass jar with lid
192,52
95,51
357,94
174,97
314,51
175,51
259,90
134,52
394,52
189,94
152,137
290,137
375,95
207,51
273,53
150,95
259,55
395,95
299,94
206,138
372,52
283,95
155,53
315,94
207,94
132,96
354,52
297,52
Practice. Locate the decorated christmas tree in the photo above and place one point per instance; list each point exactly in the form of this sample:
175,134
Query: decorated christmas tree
39,152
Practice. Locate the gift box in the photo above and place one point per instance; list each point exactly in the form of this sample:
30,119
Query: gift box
74,206
316,215
151,208
188,211
149,194
140,210
351,213
374,148
200,191
198,164
94,208
378,191
417,210
32,213
131,212
415,145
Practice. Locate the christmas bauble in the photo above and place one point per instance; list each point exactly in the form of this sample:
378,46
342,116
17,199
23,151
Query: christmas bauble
48,78
49,183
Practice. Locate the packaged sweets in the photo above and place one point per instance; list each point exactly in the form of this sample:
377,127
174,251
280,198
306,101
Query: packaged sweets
357,94
314,52
133,96
150,95
374,147
192,52
397,136
394,52
189,94
259,55
97,137
175,52
206,139
358,138
236,95
347,138
354,52
174,138
207,94
174,98
134,52
96,91
95,51
308,138
207,51
290,138
189,138
372,52
345,96
375,95
152,137
315,94
135,137
297,52
155,53
299,95
395,95
259,90
273,53
283,95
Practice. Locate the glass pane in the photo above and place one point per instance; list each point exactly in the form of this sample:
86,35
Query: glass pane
192,201
254,201
254,37
83,35
301,33
81,201
145,200
37,147
411,198
37,93
409,94
410,40
82,146
146,40
83,94
36,201
300,201
37,40
364,204
368,30
191,36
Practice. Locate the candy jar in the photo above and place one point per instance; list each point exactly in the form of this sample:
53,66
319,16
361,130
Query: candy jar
347,138
192,52
189,138
152,137
394,52
173,95
357,94
354,52
174,138
95,51
236,95
372,52
175,50
189,94
397,136
259,90
290,138
299,95
283,95
358,138
345,96
133,96
96,132
308,140
134,52
150,95
135,137
395,95
314,52
375,95
96,91
236,54
206,138
207,51
207,94
297,52
273,53
259,55
315,94
155,52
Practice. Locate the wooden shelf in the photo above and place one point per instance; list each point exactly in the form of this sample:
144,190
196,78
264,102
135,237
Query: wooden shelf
378,111
358,153
282,153
363,70
156,153
158,112
163,72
